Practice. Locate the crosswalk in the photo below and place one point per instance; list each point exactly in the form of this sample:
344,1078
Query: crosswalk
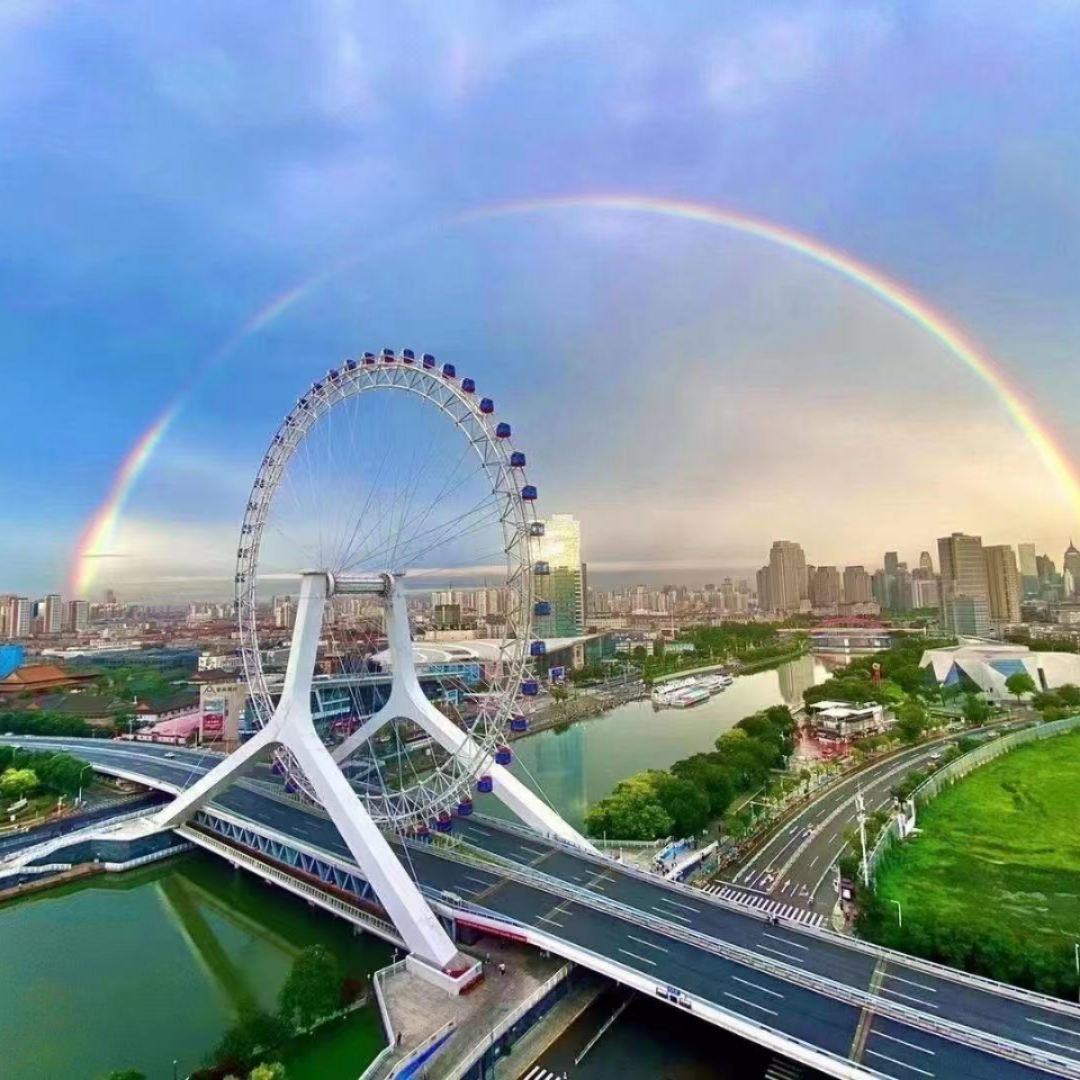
767,905
539,1073
782,1069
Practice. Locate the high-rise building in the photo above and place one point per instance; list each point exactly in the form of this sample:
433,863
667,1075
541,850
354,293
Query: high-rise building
54,614
825,589
1047,570
1071,564
1029,570
925,592
77,616
965,590
20,616
564,585
787,576
284,612
926,563
1003,579
902,597
857,585
764,600
879,588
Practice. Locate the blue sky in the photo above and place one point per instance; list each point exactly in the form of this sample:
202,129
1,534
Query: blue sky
167,170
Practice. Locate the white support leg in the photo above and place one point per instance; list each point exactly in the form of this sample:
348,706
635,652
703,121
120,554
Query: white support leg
407,699
291,727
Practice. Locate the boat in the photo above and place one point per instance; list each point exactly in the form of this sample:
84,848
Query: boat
691,695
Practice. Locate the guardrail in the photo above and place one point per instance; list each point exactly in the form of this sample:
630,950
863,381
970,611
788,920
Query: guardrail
390,1049
55,843
862,999
955,770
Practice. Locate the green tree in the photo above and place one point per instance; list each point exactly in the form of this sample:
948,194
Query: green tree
312,989
18,783
1069,695
687,805
1020,683
976,710
255,1033
268,1071
658,647
911,721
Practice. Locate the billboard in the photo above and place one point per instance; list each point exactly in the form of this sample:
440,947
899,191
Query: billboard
11,659
213,718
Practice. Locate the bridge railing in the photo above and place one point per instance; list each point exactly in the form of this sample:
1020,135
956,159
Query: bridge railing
862,999
957,769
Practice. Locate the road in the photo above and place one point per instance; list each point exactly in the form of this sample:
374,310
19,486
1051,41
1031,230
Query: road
794,873
890,1047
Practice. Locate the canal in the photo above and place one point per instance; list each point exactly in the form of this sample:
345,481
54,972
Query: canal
146,968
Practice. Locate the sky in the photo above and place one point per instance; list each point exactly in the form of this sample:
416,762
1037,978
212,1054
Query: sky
169,173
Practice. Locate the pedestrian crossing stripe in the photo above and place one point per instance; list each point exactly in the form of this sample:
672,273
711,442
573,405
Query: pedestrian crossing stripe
767,906
538,1073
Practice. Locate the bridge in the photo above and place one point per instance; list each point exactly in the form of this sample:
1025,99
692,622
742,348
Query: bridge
841,1006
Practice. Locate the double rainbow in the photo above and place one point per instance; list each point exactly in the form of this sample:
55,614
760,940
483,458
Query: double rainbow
96,538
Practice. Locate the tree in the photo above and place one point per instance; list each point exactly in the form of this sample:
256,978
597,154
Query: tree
911,721
639,653
18,783
976,710
255,1032
312,989
688,805
1020,683
268,1071
1069,695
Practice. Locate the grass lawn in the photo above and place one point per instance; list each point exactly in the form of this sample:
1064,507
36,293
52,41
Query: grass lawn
1000,850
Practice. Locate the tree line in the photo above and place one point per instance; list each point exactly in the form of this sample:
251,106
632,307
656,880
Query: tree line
684,799
31,772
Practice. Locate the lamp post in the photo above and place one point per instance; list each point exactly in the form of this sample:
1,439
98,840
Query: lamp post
1076,949
81,771
900,914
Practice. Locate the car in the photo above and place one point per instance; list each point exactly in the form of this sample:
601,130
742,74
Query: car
936,757
170,754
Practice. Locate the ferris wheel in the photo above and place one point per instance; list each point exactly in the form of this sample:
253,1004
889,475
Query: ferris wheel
399,481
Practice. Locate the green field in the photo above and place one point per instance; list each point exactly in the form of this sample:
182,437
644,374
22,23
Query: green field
992,881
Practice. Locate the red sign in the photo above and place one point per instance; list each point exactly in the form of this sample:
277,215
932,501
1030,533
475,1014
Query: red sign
213,722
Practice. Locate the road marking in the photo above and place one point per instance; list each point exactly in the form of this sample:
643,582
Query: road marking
477,829
813,861
763,989
1055,1027
685,907
554,922
479,881
1051,1042
673,915
785,955
897,1061
785,941
903,1042
531,850
910,982
651,944
908,997
643,959
751,1004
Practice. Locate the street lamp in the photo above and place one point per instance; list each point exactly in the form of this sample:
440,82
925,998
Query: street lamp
1077,951
900,921
81,771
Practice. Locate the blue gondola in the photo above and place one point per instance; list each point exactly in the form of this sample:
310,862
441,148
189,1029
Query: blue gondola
530,688
541,569
408,356
369,358
503,756
487,406
276,768
528,493
517,459
519,723
429,360
542,607
485,785
449,371
388,356
317,384
350,365
536,528
537,648
290,787
468,385
502,431
301,403
465,807
333,374
445,822
423,832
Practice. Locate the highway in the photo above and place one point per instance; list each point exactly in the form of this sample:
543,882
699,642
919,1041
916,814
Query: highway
645,935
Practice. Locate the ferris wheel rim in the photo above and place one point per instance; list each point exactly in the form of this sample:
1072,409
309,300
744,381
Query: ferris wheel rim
492,443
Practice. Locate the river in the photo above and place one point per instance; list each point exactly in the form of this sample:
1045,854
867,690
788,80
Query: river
145,968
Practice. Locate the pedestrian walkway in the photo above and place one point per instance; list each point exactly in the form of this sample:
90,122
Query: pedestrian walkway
767,906
782,1069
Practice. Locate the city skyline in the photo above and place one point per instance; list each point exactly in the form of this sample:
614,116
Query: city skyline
687,355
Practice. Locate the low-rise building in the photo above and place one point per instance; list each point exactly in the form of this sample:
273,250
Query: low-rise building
840,721
987,667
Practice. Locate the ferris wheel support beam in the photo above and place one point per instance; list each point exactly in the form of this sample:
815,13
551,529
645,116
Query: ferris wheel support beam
407,699
291,727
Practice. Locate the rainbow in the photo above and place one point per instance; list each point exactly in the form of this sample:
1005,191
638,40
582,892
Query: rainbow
99,532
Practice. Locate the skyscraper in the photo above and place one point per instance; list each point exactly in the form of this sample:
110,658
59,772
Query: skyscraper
787,576
1071,563
564,585
54,614
20,616
965,590
764,600
1003,579
284,612
77,616
857,585
1029,569
926,562
825,589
